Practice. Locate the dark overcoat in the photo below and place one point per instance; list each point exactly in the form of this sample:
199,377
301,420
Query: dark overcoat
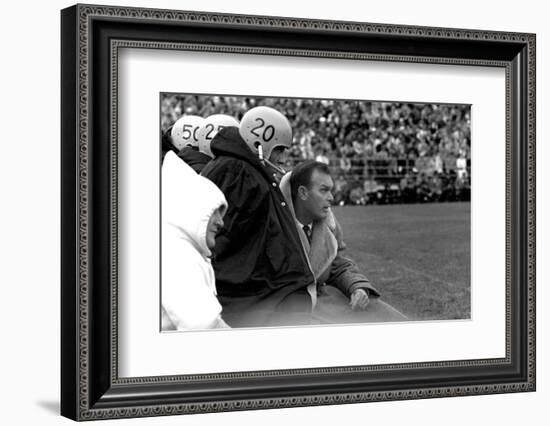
262,273
194,158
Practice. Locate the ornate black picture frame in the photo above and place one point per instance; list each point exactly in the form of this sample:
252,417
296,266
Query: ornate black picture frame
91,36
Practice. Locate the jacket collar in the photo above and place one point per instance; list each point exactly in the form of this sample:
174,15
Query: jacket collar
193,156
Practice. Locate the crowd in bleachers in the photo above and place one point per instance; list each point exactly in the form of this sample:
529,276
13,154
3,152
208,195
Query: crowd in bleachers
379,152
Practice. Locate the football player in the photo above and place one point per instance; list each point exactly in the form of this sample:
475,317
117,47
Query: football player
210,128
262,273
184,135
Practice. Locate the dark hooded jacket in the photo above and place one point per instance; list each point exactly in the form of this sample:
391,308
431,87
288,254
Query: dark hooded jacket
194,158
261,271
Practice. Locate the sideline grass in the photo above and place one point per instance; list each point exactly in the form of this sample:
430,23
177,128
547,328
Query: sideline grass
416,255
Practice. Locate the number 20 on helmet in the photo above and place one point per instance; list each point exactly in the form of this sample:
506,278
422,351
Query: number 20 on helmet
185,131
210,127
266,127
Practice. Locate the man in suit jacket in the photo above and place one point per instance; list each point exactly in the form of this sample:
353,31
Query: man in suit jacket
344,294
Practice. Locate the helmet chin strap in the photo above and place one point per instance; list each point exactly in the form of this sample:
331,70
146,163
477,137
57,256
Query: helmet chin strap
260,149
277,168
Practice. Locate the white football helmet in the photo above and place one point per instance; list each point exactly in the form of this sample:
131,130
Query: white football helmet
210,127
185,131
266,127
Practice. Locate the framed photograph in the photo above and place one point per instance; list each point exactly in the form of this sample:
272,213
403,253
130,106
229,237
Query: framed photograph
263,212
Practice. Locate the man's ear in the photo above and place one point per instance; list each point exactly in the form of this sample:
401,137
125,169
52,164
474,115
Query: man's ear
303,192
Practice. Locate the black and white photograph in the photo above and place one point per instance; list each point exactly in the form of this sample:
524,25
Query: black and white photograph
312,212
264,211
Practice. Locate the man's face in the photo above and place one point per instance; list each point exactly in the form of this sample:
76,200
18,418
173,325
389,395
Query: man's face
317,199
215,223
278,156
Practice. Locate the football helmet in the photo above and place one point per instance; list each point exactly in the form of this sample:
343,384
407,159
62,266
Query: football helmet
185,131
210,127
264,128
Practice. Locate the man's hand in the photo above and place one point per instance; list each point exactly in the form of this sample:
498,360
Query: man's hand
359,299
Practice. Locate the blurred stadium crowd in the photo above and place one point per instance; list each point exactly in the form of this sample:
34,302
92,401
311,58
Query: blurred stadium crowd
378,152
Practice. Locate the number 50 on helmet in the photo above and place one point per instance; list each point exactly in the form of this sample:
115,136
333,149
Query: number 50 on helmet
266,127
184,131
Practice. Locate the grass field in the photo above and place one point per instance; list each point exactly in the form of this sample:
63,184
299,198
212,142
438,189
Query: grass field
416,255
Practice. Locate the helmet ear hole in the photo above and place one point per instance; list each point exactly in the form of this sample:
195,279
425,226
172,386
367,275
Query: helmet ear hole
267,127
